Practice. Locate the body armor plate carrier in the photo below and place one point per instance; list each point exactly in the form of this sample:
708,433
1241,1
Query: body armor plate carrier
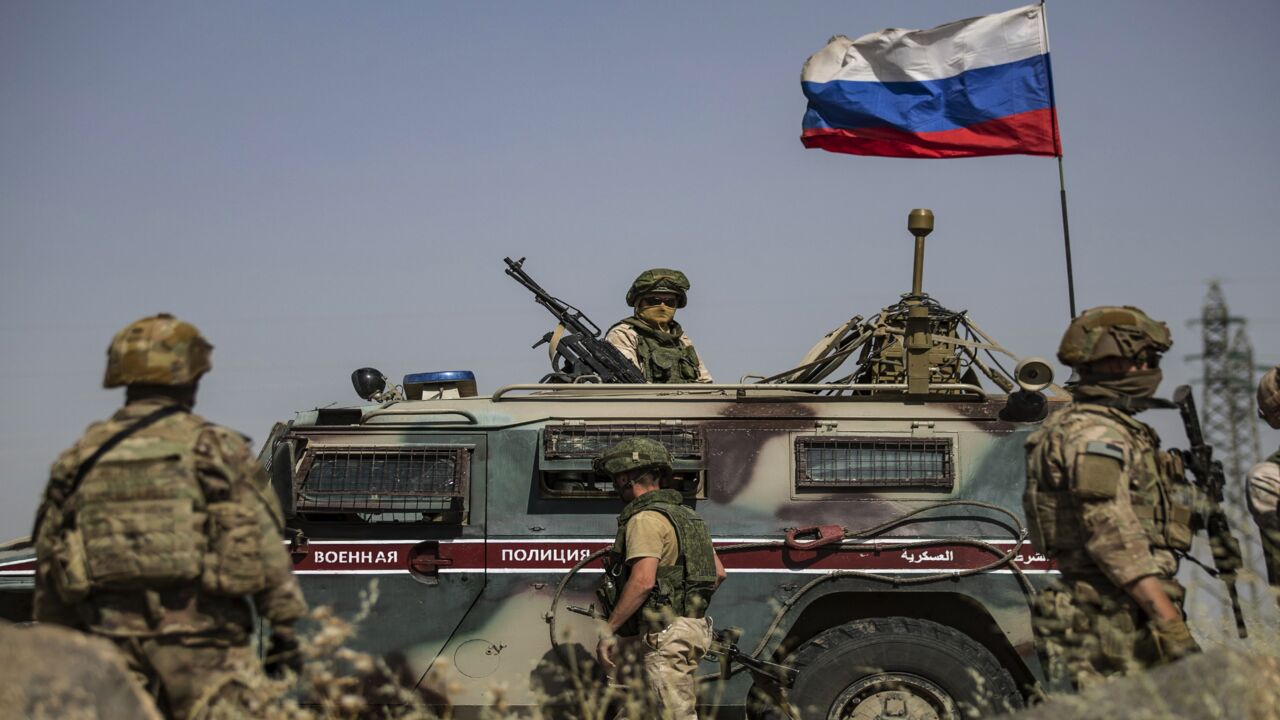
681,590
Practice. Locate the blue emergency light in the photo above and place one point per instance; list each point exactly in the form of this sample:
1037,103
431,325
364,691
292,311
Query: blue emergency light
418,385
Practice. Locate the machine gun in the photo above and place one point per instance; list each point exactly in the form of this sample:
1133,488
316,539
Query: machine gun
1209,482
577,352
724,647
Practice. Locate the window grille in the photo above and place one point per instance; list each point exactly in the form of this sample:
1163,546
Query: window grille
825,463
587,441
383,480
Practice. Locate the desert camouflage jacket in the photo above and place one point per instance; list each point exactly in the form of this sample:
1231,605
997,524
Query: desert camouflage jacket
1264,505
225,468
1099,496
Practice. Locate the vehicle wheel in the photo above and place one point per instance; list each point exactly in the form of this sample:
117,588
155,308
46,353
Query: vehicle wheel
900,668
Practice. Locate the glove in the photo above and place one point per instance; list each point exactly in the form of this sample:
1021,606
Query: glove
1173,639
283,654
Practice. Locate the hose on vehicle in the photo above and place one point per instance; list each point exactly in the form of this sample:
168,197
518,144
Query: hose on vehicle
1001,559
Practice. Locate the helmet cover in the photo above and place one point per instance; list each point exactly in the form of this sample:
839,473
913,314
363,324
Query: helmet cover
1269,397
633,453
157,350
659,280
1110,331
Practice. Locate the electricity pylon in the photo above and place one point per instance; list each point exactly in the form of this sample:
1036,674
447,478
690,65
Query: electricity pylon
1228,414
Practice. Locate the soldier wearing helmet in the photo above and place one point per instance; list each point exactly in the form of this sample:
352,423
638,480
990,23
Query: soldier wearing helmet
158,531
1107,504
659,578
651,338
1264,480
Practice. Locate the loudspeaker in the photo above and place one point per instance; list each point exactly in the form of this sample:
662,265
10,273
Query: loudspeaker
1033,374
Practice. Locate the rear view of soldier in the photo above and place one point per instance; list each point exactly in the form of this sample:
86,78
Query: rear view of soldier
1264,481
157,531
1108,506
661,573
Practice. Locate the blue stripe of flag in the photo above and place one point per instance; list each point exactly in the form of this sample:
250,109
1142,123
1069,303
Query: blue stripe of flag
959,101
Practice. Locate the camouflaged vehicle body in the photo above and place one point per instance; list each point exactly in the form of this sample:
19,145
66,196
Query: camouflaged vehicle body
469,511
473,588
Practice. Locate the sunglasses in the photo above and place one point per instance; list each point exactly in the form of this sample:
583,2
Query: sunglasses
652,300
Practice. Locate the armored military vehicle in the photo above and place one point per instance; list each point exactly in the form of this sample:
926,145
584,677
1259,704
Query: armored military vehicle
870,523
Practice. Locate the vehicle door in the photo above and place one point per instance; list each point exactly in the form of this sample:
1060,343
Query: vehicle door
390,531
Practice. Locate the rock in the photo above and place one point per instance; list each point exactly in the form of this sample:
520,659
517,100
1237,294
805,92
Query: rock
1226,683
52,673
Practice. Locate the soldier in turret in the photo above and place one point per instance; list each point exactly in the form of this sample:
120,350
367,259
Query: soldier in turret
651,338
1105,503
158,531
1264,480
662,571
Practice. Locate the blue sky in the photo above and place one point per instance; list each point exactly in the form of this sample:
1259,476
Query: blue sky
321,186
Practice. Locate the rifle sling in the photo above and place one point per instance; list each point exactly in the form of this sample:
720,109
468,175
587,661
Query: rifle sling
110,444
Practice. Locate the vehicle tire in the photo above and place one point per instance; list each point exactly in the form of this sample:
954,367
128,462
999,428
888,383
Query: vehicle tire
898,668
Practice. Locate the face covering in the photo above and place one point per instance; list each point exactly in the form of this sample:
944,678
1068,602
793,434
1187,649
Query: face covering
658,316
1136,384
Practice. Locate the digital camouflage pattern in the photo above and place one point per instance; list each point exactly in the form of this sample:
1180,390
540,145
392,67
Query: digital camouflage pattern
663,357
1101,502
659,280
158,549
157,350
682,589
634,453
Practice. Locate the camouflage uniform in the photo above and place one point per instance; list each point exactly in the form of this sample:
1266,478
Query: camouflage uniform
1104,502
1264,481
664,356
665,640
167,537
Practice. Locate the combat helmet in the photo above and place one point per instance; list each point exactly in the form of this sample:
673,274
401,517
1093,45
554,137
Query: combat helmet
1269,397
1110,331
659,280
157,350
634,453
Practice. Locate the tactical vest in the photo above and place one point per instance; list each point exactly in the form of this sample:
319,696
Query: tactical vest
664,357
1159,494
141,520
681,590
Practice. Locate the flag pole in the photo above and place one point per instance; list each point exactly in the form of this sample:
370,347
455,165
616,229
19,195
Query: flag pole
1062,182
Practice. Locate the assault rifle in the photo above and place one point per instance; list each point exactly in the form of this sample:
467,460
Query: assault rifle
724,647
1209,482
578,353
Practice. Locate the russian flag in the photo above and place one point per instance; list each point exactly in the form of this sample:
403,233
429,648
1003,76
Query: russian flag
966,89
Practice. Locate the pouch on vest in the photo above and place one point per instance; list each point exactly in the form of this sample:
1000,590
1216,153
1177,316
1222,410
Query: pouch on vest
69,570
143,543
139,513
233,564
1056,519
1099,471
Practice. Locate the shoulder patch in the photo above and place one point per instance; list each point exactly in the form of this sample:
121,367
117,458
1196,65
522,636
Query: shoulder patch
1105,449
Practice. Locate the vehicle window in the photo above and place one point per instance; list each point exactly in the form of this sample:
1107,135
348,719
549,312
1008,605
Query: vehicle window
567,452
826,463
404,483
588,441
